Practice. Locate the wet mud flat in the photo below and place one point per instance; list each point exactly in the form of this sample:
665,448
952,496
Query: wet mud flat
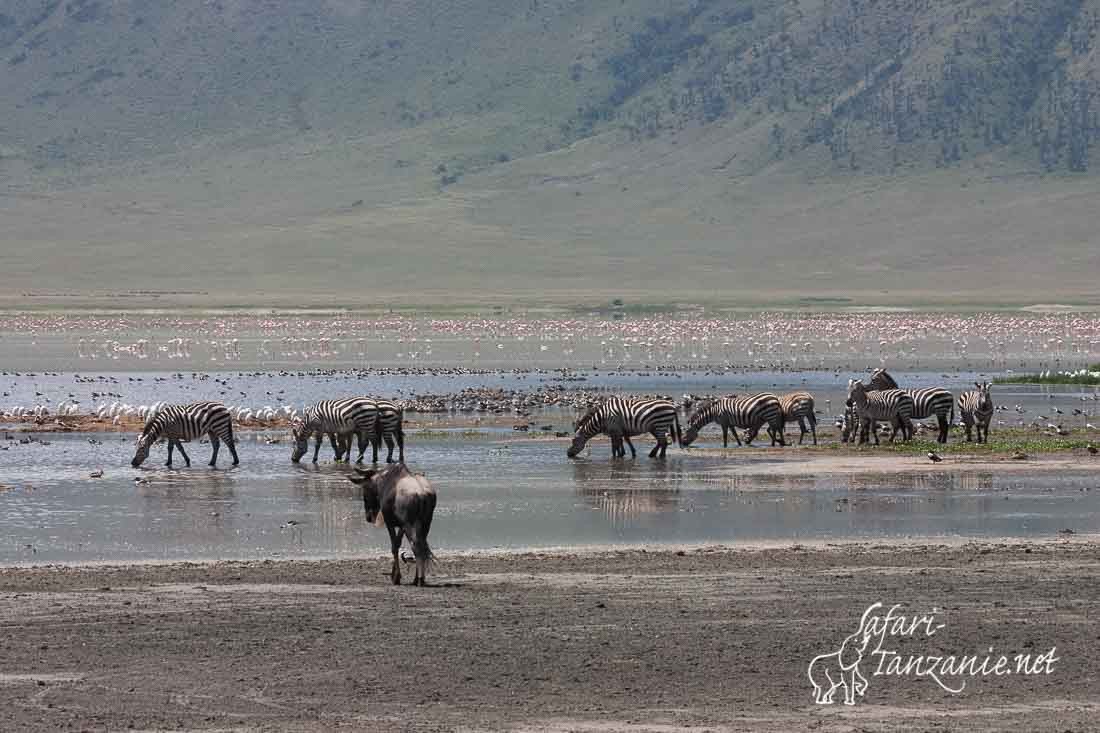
643,639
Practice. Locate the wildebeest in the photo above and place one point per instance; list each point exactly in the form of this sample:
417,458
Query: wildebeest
405,502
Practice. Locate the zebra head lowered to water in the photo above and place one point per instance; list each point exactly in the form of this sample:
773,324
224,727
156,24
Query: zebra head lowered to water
339,420
750,412
621,418
178,423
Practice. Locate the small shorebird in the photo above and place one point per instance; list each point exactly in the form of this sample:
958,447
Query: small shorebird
1092,449
933,457
98,473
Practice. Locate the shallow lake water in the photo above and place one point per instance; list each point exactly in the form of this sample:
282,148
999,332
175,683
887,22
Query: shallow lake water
495,492
497,489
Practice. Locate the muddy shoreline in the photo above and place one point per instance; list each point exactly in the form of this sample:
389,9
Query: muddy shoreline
633,640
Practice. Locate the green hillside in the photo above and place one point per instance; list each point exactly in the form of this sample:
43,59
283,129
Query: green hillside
349,152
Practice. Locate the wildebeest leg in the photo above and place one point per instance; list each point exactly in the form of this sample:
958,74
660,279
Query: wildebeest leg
318,439
186,458
395,545
215,444
633,453
171,445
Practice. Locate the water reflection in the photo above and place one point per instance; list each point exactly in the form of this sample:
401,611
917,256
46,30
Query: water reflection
510,494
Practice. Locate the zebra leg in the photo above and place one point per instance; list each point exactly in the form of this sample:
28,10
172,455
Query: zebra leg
186,458
400,435
969,437
375,441
317,440
633,453
215,444
726,437
171,445
389,448
659,449
617,446
942,420
230,443
813,427
338,447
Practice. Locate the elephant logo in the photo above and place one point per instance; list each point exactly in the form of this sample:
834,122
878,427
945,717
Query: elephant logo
840,669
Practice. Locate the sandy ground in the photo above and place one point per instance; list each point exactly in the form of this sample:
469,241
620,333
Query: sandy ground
704,639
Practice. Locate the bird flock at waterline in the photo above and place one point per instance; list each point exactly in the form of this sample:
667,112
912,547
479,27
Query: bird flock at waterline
871,408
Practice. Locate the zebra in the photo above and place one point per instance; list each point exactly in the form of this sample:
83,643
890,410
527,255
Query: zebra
732,412
976,409
178,423
799,406
622,417
342,418
892,405
926,402
849,425
388,427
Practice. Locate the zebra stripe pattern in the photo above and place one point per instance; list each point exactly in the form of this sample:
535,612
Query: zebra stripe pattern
976,408
926,402
849,424
620,418
892,405
799,406
389,423
338,419
178,423
750,412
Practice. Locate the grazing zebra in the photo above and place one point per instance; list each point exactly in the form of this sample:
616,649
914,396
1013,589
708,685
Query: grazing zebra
390,418
849,425
892,405
976,408
926,402
799,406
335,418
751,412
622,417
177,423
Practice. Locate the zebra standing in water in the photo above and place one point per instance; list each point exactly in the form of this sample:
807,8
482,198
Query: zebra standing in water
976,408
334,418
926,402
893,405
177,423
622,417
799,406
750,412
389,427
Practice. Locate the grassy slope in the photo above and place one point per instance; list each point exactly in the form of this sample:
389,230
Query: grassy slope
308,170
